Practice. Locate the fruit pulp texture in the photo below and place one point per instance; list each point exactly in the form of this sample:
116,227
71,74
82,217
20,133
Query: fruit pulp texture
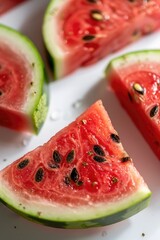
83,162
14,84
96,29
142,108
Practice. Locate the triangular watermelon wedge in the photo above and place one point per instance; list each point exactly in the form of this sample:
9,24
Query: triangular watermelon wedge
81,178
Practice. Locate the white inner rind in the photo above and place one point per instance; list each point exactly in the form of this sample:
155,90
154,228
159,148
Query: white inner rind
26,50
41,208
145,56
51,37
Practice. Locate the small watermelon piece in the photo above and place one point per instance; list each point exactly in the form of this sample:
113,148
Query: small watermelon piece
81,33
135,78
8,4
23,98
82,177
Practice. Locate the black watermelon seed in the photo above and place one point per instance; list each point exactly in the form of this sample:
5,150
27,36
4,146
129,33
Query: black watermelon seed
74,175
136,32
154,111
130,97
23,164
114,179
1,93
88,38
79,183
115,138
90,153
125,159
84,164
67,180
53,165
92,1
70,156
56,156
98,150
99,159
39,175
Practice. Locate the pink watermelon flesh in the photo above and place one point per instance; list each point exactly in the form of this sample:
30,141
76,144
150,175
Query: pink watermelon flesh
142,106
13,78
14,82
82,168
89,30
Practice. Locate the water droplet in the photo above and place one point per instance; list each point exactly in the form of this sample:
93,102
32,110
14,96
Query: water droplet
55,115
77,104
24,142
104,233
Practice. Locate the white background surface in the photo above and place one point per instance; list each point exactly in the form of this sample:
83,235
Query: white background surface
86,85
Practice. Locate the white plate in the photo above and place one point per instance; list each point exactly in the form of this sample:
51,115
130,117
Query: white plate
86,85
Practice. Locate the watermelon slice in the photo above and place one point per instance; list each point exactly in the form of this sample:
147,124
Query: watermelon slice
135,78
81,33
23,101
81,178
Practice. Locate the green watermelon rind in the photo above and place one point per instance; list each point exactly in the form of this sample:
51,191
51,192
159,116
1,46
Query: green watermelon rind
32,108
50,37
95,216
136,57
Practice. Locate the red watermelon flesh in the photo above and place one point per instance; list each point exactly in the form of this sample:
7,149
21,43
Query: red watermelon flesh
80,175
135,78
82,32
22,76
14,82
